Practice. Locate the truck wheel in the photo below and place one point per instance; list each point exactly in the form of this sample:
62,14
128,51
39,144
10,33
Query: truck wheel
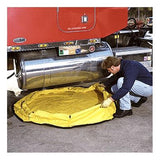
131,23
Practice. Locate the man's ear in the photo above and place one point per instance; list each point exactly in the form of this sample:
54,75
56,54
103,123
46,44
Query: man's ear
112,67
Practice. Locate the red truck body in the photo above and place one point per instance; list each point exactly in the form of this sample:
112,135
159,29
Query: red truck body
32,25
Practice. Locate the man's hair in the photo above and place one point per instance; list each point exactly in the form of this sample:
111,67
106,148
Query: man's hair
110,61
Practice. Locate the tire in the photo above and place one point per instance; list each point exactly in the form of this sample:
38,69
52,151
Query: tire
132,23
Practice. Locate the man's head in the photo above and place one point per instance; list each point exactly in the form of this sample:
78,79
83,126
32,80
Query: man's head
112,64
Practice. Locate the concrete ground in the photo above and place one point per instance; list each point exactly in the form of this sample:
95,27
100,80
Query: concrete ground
128,134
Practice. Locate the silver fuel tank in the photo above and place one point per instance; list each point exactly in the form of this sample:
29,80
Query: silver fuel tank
44,68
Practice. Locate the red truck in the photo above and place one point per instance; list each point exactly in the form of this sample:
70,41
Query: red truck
52,46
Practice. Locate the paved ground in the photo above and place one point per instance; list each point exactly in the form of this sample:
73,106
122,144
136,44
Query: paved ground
128,134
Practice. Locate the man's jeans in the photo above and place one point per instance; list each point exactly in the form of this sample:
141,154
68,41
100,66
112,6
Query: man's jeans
139,88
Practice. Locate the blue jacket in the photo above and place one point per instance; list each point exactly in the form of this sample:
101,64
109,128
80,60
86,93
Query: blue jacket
131,71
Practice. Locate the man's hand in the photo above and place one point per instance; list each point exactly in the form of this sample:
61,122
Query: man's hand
106,102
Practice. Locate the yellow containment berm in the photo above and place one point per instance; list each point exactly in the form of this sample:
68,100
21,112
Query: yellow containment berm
65,107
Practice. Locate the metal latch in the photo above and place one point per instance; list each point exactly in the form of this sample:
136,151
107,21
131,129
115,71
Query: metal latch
84,18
